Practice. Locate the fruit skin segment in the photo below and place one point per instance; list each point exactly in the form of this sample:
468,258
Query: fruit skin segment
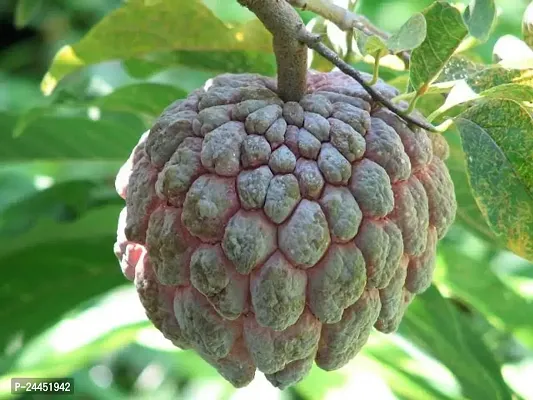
268,235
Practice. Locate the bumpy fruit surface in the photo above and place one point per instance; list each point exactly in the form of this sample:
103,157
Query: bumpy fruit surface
270,235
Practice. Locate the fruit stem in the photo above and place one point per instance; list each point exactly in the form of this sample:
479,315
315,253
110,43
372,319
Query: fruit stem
282,20
375,74
444,126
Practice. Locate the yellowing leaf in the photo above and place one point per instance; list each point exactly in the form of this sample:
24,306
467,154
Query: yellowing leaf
497,138
496,82
137,29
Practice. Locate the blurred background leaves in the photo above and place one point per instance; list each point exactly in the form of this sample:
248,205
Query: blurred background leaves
66,308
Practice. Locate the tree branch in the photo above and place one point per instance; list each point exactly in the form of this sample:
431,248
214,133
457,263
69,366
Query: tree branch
345,19
340,16
313,42
291,54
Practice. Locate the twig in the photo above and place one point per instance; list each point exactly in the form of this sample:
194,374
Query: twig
345,19
313,42
340,16
291,54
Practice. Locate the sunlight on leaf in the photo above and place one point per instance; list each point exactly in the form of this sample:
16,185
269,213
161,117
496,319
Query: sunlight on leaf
160,27
492,82
432,323
477,285
512,52
527,25
411,35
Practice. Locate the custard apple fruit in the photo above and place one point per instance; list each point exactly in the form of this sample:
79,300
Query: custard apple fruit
270,235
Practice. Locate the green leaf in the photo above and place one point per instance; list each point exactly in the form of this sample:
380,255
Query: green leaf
58,171
510,91
18,93
527,25
40,358
411,35
472,280
456,69
406,374
468,213
15,186
434,325
61,189
25,11
445,32
46,137
147,98
62,202
318,383
225,61
510,126
229,12
497,138
53,268
495,82
372,45
480,16
461,93
198,66
459,67
497,75
137,29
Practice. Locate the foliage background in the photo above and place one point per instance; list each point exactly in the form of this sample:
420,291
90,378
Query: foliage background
66,309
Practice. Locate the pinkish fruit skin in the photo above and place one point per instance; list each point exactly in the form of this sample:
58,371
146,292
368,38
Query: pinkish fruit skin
384,146
278,293
342,213
213,275
317,125
336,282
268,235
248,240
381,243
347,140
341,341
